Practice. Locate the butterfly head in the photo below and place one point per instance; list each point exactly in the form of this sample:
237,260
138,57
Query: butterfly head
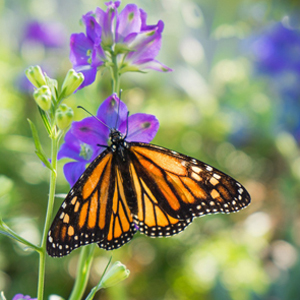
116,139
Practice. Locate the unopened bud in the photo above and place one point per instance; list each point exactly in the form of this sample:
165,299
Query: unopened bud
42,97
64,116
35,76
117,273
71,83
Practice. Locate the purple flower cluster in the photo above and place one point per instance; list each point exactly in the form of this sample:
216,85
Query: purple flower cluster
278,50
277,57
22,297
51,35
84,137
120,39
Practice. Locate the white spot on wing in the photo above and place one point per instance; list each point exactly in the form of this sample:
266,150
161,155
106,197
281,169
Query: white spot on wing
196,176
216,176
196,169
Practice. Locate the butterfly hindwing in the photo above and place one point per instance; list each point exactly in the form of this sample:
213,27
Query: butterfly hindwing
173,188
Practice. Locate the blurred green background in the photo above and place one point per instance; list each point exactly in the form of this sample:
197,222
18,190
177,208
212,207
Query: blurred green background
232,101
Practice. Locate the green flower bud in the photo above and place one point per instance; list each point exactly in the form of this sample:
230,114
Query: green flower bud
35,76
115,274
42,97
64,116
72,81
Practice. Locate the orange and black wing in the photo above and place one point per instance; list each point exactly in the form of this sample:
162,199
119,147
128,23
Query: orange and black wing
93,211
172,189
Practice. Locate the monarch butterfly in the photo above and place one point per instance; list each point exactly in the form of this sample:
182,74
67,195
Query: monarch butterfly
139,186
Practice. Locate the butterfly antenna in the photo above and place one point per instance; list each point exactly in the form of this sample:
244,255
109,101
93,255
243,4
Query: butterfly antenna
120,92
126,126
94,116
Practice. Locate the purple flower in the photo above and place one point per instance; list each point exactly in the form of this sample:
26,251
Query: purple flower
22,297
123,39
81,153
51,35
277,55
84,139
278,49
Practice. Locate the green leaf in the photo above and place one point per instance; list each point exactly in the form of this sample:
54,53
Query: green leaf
39,150
5,230
45,120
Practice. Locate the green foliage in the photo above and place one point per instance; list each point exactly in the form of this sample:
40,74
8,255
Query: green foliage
206,109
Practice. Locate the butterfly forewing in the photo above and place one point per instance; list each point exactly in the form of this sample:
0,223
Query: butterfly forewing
85,214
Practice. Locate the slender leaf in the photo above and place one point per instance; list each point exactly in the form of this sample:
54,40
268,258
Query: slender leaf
39,150
5,230
96,288
45,120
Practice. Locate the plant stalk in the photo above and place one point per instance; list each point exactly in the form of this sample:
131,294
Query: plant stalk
83,271
53,176
115,75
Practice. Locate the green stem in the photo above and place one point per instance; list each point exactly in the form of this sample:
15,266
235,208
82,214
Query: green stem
94,290
83,271
115,75
42,258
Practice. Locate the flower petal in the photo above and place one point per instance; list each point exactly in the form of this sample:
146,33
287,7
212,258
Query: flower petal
49,34
70,151
81,49
98,55
112,111
93,29
106,21
23,297
144,26
153,64
89,74
129,21
130,38
72,148
142,128
146,44
80,45
73,171
112,4
90,131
